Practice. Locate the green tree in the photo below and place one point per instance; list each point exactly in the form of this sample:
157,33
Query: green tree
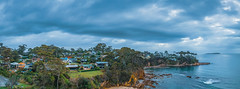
83,83
100,47
45,52
21,49
7,55
15,56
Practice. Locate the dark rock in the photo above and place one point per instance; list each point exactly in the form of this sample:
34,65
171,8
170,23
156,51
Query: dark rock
189,76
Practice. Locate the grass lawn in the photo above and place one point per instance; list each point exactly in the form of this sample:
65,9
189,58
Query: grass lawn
86,74
21,85
3,88
24,85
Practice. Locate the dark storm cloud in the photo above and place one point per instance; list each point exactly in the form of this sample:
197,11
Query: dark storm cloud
148,21
26,16
196,9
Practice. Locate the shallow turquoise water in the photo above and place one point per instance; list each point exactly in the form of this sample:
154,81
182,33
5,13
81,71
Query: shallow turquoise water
223,73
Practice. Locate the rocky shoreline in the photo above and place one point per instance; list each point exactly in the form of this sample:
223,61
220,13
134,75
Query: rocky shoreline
177,65
147,81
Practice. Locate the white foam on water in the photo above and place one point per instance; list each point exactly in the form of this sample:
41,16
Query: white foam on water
181,74
211,81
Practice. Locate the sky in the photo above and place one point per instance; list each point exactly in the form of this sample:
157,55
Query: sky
200,26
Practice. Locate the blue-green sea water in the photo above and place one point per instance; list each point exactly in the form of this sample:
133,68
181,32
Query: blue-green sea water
222,73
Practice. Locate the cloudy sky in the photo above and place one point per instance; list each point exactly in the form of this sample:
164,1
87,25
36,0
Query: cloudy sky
154,25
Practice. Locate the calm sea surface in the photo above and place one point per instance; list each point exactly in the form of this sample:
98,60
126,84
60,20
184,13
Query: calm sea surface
222,73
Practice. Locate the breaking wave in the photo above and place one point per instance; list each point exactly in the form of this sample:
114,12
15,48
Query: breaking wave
211,81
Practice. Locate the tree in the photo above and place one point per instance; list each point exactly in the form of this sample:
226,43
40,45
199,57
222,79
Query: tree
45,52
108,49
1,44
15,55
58,69
51,74
72,51
100,47
7,55
128,62
21,49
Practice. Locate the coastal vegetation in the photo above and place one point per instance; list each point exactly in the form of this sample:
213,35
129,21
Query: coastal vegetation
123,67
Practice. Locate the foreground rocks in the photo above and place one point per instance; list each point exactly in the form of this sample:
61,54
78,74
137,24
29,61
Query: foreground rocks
3,81
149,82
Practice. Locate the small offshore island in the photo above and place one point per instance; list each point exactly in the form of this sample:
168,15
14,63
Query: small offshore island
213,53
49,66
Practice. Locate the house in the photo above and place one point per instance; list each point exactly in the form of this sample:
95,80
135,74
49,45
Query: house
97,57
73,60
84,60
21,65
65,60
87,66
69,60
72,67
36,59
101,64
29,66
14,65
86,56
23,57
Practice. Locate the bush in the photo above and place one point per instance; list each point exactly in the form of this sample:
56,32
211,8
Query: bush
84,83
29,80
97,68
4,72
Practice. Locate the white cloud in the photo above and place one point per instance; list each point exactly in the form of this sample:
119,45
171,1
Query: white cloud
229,31
236,20
174,13
196,41
227,8
157,12
118,41
220,19
150,12
68,40
54,37
235,5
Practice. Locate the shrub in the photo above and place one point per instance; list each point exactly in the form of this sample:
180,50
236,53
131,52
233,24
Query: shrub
4,72
96,68
84,83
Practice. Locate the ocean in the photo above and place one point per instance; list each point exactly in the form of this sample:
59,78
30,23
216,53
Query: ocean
222,73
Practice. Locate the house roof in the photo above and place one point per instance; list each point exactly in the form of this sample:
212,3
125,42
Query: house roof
14,63
21,63
71,65
64,58
30,64
26,67
83,59
101,62
86,65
